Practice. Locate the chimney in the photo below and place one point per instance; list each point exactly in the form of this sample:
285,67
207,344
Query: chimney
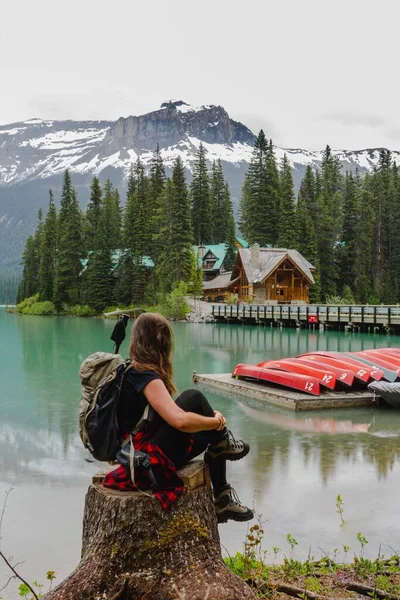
255,257
202,250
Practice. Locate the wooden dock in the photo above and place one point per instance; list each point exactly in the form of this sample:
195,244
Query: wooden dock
352,317
296,401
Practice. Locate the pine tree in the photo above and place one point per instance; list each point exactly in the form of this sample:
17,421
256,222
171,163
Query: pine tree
29,281
157,176
271,207
329,219
246,209
383,191
394,265
69,247
125,268
363,261
254,226
307,243
117,219
260,195
306,222
350,241
231,248
111,203
100,278
308,191
219,204
228,213
93,213
48,253
29,285
287,234
201,200
132,183
195,287
176,260
136,238
157,187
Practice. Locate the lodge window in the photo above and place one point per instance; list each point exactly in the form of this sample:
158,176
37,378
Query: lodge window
209,264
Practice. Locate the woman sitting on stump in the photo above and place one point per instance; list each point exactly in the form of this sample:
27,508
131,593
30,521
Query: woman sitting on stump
179,430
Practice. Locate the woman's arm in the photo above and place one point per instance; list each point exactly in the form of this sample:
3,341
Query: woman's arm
160,399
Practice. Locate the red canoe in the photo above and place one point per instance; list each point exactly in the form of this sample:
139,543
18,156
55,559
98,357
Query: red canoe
345,376
359,371
295,381
325,377
395,351
373,373
392,358
378,360
388,373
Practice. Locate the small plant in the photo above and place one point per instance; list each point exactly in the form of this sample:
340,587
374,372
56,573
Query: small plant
346,550
292,542
31,592
276,551
340,508
363,541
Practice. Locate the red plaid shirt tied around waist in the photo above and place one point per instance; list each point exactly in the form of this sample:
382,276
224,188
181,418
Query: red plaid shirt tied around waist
169,484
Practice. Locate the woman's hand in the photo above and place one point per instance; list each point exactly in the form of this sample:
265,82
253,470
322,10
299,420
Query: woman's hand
222,420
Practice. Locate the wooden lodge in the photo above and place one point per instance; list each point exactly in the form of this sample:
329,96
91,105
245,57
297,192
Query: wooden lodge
212,257
265,276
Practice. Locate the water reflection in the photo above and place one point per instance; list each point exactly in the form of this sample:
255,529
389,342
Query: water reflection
38,435
297,465
327,439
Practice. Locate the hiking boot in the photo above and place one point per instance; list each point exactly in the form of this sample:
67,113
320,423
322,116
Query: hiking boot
228,448
228,506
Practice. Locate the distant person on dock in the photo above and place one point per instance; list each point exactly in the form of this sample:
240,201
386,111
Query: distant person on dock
178,430
118,334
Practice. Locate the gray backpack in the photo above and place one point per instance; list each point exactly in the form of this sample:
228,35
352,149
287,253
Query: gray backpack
95,370
102,375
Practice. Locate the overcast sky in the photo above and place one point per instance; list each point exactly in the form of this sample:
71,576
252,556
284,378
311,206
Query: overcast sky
310,72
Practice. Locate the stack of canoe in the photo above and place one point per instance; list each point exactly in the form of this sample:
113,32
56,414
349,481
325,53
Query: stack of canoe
314,371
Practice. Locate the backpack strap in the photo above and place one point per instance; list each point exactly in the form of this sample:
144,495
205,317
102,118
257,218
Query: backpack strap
137,458
142,421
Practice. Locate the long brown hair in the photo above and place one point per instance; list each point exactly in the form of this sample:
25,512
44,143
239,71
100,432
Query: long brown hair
152,342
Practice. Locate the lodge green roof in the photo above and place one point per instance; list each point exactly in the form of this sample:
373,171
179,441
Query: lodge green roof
242,242
116,258
218,250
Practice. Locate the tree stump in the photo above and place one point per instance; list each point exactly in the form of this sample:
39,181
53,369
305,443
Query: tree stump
133,550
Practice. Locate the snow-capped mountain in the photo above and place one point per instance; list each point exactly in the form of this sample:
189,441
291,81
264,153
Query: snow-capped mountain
40,149
35,153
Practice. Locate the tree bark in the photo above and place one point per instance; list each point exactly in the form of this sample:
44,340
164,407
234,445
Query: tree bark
133,550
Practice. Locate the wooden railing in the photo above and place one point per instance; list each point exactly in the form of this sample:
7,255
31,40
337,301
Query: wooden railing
357,314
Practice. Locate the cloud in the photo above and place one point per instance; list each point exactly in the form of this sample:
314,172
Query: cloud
345,117
393,133
255,122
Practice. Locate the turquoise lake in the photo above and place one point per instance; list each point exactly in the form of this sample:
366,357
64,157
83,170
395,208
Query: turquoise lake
297,466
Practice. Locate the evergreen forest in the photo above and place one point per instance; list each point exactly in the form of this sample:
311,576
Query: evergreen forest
81,263
345,224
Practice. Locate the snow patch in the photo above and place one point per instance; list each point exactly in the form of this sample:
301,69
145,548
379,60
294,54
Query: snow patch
186,108
33,121
233,153
12,131
58,139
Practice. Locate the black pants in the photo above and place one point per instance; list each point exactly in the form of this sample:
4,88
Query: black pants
175,443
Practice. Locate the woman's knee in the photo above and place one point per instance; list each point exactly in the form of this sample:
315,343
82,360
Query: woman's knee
193,400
